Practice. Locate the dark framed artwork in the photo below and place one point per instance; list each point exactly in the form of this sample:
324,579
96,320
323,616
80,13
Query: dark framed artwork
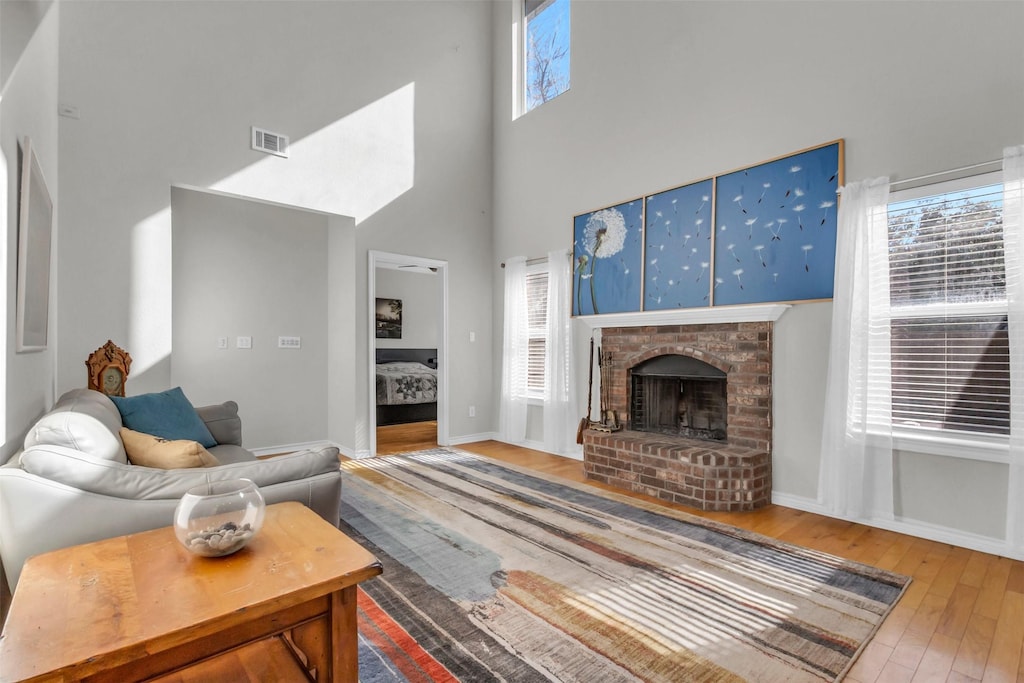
388,317
35,228
607,260
677,247
775,229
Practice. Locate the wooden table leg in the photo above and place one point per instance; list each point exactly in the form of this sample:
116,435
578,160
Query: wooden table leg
330,645
345,635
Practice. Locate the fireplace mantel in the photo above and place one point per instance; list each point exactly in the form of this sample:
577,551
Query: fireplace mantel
688,316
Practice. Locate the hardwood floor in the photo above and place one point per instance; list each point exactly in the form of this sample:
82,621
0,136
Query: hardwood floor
415,436
961,619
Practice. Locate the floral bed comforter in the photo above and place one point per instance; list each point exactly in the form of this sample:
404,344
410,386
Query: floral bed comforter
402,383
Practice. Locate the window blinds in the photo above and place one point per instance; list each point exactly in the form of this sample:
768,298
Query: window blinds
537,315
949,344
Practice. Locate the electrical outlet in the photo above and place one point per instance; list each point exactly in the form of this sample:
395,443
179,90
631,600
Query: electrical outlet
243,343
222,342
289,342
472,411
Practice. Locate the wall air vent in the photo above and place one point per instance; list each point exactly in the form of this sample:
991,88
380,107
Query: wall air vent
271,143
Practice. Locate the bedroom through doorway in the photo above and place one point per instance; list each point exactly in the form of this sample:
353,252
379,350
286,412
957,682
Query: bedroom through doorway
408,305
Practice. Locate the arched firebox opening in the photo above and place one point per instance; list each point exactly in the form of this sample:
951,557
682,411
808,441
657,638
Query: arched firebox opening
679,396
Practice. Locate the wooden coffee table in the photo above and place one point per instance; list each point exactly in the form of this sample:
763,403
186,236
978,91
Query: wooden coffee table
140,607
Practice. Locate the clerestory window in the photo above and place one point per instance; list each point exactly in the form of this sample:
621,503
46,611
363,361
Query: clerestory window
542,53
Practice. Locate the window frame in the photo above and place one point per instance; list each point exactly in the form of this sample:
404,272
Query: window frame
520,65
980,446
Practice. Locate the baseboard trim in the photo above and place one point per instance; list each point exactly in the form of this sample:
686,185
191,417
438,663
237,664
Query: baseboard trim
352,453
910,527
470,438
529,443
539,446
788,500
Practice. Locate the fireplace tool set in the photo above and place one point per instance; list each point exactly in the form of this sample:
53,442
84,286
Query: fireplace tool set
585,421
609,418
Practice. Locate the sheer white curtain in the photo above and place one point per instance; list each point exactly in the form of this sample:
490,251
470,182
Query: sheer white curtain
855,480
1013,239
560,410
515,356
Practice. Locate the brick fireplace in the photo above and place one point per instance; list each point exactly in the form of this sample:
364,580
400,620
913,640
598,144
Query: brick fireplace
666,460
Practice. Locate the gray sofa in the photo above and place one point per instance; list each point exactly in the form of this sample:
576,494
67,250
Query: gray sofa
72,483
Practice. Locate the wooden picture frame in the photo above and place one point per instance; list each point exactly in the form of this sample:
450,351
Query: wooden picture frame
677,246
775,228
761,234
607,259
35,232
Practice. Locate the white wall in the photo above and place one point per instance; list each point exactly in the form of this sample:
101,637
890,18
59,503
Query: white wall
665,93
389,112
18,22
421,314
28,107
346,422
229,280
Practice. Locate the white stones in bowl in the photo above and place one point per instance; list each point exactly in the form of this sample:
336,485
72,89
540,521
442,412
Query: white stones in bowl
216,541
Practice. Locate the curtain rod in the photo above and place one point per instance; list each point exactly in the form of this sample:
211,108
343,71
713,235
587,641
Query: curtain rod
997,163
961,169
539,259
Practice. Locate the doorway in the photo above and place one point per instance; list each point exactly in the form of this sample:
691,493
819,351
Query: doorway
408,352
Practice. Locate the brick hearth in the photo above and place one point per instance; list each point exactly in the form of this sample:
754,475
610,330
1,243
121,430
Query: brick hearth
735,475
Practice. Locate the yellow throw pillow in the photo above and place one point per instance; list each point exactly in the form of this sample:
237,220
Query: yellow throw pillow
147,450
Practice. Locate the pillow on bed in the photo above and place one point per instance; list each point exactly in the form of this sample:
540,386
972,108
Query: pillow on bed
407,366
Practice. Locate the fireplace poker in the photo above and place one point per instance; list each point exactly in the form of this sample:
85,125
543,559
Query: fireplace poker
585,422
609,420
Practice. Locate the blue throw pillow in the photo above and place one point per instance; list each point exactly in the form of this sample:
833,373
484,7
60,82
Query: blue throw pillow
167,414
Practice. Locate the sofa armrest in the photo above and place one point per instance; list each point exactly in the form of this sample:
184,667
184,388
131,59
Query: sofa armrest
82,419
223,422
82,471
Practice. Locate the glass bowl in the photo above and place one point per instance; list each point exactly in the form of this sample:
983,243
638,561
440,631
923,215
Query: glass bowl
219,518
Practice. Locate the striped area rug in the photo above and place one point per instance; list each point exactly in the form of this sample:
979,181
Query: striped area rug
494,573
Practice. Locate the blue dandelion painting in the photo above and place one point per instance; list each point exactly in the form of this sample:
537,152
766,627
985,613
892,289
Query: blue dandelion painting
677,248
607,260
775,229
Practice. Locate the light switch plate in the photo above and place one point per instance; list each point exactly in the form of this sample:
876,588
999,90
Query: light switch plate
243,342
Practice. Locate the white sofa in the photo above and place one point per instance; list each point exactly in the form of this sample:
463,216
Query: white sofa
72,483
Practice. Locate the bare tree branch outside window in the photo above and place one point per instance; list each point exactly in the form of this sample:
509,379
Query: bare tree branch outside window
547,53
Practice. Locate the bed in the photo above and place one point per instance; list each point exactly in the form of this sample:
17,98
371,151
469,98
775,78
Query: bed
406,386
